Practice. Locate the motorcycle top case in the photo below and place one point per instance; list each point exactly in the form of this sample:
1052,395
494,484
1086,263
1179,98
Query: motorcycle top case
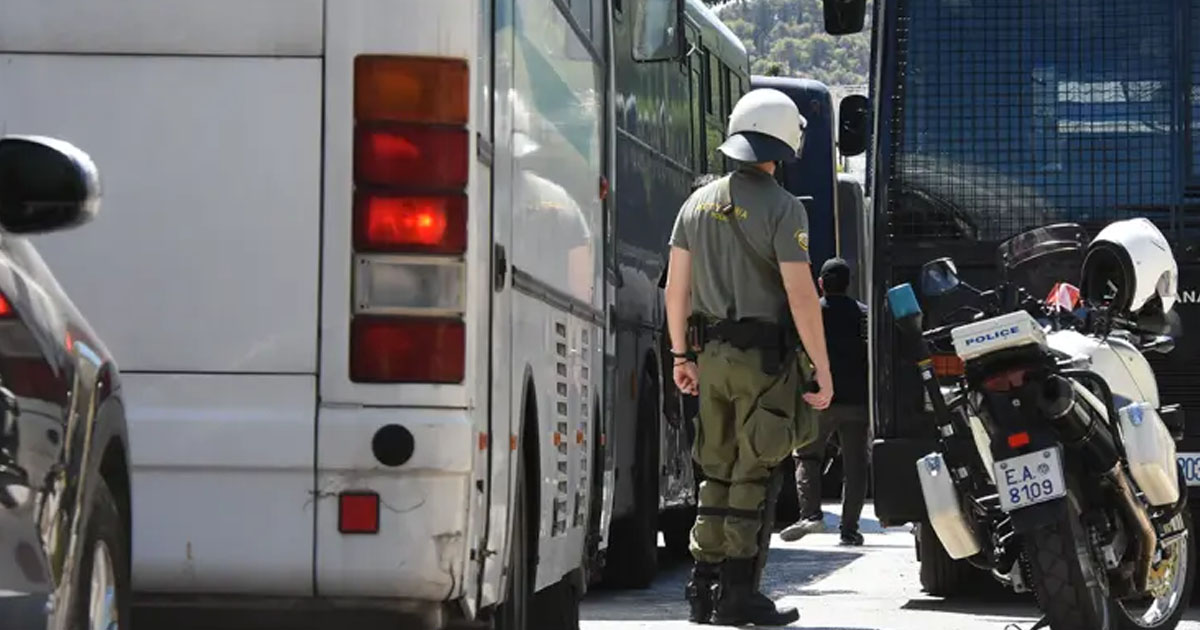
1012,330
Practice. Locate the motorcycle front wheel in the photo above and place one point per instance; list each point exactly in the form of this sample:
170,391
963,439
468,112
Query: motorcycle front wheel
1171,581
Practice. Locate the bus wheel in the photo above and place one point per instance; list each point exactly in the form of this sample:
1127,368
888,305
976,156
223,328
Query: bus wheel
677,531
632,560
513,613
556,607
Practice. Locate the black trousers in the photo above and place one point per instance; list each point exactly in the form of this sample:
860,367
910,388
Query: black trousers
852,423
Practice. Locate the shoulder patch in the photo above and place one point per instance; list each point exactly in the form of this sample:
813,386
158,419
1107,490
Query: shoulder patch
802,239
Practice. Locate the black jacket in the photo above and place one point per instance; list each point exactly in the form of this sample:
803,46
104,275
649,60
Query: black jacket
846,339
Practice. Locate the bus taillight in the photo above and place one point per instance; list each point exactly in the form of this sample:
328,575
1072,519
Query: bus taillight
411,170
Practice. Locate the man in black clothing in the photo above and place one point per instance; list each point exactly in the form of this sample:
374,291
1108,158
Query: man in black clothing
846,337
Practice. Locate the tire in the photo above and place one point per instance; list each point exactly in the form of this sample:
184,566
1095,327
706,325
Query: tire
1061,561
677,531
1125,618
556,607
513,614
633,555
941,575
105,538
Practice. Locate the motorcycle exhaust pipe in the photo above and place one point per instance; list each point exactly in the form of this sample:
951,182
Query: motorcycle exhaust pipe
1076,425
1139,524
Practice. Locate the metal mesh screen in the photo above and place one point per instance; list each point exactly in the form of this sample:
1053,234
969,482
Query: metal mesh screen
1010,114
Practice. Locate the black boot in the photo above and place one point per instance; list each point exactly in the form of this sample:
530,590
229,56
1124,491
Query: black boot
701,591
740,604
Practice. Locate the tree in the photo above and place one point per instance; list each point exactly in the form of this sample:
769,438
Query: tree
788,36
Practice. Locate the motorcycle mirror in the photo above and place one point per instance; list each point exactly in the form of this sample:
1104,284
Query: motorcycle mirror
1161,344
939,277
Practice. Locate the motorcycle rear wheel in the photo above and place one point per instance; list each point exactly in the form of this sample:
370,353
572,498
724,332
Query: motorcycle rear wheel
1070,585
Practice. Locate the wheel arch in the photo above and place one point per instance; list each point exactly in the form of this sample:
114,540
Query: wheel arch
530,452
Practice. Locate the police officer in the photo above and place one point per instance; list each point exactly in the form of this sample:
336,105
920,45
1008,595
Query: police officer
740,299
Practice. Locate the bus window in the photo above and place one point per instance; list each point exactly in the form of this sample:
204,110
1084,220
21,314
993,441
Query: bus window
581,10
706,63
726,90
697,116
714,83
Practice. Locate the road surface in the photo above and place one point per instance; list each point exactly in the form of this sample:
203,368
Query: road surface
874,587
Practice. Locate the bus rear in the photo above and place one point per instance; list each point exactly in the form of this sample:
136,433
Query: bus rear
295,274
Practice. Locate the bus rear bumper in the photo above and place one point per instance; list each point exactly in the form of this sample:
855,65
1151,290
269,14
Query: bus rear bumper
194,612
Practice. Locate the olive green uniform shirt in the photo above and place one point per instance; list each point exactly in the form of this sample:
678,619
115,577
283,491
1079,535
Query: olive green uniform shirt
726,282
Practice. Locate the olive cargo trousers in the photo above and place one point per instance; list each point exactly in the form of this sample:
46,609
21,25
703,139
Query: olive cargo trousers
745,428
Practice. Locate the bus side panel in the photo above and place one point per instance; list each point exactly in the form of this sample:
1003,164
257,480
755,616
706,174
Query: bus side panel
283,28
558,126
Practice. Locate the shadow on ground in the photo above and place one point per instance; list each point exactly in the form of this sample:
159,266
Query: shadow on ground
789,572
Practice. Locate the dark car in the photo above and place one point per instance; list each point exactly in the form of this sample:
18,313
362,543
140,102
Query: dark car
64,465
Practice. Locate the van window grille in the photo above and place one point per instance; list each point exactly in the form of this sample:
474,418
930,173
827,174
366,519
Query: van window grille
1010,114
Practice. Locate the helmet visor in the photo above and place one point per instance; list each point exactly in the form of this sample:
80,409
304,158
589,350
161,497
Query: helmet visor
751,146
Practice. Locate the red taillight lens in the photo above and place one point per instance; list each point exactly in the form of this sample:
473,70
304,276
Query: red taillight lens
1017,440
411,170
6,309
947,365
412,156
358,513
1005,381
435,224
401,350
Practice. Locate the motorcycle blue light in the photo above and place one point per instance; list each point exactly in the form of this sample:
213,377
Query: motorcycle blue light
903,301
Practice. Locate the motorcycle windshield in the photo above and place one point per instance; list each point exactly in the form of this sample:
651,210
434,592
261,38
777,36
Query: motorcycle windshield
1038,259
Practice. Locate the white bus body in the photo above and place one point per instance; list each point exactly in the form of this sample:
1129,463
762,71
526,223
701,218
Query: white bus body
226,279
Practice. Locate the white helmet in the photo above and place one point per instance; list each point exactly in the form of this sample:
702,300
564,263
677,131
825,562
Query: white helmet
1128,265
765,126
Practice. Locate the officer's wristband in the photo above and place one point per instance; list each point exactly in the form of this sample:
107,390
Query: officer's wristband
688,355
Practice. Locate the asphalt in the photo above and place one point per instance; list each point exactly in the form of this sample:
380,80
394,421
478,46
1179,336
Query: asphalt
873,587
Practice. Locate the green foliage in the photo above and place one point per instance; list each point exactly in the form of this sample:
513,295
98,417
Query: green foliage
791,34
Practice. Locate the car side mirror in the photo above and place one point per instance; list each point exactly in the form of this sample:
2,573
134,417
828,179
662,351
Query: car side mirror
845,17
46,184
854,115
658,30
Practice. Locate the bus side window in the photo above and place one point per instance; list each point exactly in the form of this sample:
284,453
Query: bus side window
707,62
582,11
696,109
726,90
715,86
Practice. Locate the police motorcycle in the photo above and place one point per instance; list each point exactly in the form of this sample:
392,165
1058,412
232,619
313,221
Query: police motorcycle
1056,467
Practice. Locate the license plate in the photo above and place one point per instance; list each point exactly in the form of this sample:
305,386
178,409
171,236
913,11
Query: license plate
1190,464
1030,479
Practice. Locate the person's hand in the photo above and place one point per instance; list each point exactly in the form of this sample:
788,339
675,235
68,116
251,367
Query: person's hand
687,377
824,394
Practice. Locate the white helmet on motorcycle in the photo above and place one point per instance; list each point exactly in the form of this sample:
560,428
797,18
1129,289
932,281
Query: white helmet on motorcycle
1129,265
765,126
